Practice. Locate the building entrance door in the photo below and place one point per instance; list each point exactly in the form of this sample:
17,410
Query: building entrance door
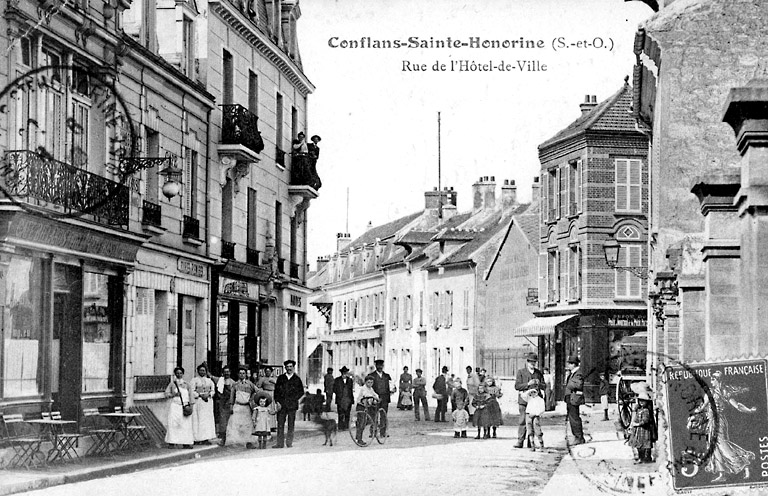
67,337
188,334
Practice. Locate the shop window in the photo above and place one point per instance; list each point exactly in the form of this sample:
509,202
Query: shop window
22,327
97,333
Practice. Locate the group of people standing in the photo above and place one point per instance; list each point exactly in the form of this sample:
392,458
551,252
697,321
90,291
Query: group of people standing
240,412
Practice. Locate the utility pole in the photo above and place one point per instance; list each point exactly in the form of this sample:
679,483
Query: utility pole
346,226
439,171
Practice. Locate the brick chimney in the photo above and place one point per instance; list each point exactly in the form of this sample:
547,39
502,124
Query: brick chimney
322,262
508,196
432,200
484,194
535,189
590,102
342,241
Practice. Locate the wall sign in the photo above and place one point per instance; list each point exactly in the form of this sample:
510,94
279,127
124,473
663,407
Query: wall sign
238,289
189,267
627,320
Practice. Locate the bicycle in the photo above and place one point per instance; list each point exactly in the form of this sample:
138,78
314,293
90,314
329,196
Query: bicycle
371,427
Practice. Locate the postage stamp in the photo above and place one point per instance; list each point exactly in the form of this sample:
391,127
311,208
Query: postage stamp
49,162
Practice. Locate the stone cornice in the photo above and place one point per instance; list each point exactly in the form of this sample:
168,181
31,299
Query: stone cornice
230,15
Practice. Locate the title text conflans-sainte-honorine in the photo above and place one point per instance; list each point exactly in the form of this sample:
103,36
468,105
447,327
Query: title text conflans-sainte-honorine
431,42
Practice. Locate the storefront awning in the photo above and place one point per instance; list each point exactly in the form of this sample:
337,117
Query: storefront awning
542,326
338,337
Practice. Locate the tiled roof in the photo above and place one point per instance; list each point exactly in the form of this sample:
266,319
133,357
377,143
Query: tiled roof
319,278
384,231
528,222
612,114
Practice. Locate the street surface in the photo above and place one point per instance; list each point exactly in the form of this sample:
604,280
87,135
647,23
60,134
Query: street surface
419,457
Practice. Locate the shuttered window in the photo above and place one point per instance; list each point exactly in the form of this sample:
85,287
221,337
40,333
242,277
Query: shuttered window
628,285
628,185
563,190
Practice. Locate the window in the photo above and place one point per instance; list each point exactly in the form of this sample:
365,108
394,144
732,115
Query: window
465,317
433,319
25,47
190,182
628,285
153,150
628,185
278,229
253,93
226,211
78,131
295,122
408,311
97,333
574,272
253,224
563,190
448,308
228,76
552,276
294,241
279,121
551,178
574,187
421,308
393,311
188,48
344,313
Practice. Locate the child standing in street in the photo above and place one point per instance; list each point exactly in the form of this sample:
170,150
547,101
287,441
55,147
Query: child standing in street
460,420
642,426
482,419
261,413
533,410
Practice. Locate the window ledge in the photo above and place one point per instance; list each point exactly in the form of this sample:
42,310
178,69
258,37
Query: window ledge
193,241
573,302
632,299
574,216
630,214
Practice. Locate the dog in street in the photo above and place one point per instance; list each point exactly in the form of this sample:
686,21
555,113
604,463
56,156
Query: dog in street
329,425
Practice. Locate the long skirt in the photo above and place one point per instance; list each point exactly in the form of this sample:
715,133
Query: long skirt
179,429
203,423
240,426
481,417
494,412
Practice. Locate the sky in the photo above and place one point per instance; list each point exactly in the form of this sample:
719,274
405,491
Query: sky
377,113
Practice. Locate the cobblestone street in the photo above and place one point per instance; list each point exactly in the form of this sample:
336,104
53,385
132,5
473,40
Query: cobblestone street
419,457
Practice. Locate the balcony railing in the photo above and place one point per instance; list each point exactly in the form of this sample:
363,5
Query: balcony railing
294,270
228,250
43,180
304,171
191,228
279,157
252,256
151,214
150,383
239,126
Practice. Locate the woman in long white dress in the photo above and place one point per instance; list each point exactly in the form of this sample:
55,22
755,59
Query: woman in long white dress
203,422
179,429
240,425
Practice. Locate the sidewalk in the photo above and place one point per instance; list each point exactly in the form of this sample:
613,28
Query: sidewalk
604,464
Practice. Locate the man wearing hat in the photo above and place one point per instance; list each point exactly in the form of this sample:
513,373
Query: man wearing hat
420,395
574,397
381,381
440,386
344,389
288,391
523,377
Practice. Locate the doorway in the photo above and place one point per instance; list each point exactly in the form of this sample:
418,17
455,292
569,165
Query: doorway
67,339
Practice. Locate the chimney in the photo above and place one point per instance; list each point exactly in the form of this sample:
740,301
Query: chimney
432,199
590,102
484,194
535,190
322,262
449,211
342,241
369,226
508,196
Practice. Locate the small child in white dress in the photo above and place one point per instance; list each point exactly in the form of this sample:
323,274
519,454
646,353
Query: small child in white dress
460,420
260,415
533,411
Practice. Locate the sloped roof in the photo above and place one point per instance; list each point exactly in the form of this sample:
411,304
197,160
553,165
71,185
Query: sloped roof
528,222
383,231
319,278
612,114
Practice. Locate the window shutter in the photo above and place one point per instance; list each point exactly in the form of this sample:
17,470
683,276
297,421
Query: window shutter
635,184
572,174
622,186
579,186
634,253
187,182
450,308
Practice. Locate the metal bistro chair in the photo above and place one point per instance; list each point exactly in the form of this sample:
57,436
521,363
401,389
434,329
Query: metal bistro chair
64,443
25,445
135,434
103,436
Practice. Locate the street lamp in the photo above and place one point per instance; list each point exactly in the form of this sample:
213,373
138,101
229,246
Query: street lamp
172,175
611,248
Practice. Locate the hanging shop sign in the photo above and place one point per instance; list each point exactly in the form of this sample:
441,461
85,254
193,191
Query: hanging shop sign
627,320
238,289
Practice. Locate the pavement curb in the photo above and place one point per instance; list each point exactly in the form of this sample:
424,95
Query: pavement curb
108,470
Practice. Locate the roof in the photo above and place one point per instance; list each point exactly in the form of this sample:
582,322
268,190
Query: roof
613,114
384,231
528,223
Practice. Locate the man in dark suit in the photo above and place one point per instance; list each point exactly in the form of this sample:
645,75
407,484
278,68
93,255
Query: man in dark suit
343,388
381,384
440,387
523,377
328,382
574,397
288,391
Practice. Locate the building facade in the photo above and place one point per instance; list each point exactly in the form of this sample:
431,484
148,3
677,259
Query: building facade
595,181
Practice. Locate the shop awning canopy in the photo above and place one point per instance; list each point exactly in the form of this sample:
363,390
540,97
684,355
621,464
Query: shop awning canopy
542,326
358,334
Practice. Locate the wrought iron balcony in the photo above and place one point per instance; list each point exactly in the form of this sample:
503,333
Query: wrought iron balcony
44,181
294,270
252,256
304,171
239,126
191,228
228,250
279,156
151,214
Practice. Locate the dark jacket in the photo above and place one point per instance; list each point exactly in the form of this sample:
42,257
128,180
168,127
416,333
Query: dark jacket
328,381
574,384
521,383
288,392
345,393
459,394
381,385
440,386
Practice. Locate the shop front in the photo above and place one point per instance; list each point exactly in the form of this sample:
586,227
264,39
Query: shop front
61,291
606,341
